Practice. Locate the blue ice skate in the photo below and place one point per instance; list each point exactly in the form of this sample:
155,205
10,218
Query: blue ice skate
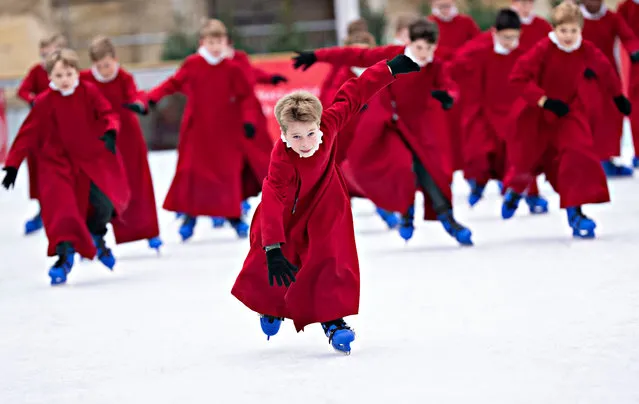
500,184
218,222
246,207
59,271
615,171
32,225
510,204
270,325
537,204
104,253
476,192
241,228
635,162
406,226
179,215
582,226
339,335
460,233
389,217
155,243
188,225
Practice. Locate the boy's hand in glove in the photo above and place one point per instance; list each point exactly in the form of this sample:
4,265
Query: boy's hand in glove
557,107
109,140
249,130
623,104
136,107
277,79
10,177
279,268
402,64
304,60
590,74
444,98
634,57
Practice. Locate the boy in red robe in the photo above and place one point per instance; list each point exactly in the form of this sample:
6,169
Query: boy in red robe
220,111
140,220
416,121
533,28
602,27
480,67
36,82
552,133
455,30
83,184
304,222
629,11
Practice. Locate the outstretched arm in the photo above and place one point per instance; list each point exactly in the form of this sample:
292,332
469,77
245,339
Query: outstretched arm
29,136
276,196
525,74
356,56
171,85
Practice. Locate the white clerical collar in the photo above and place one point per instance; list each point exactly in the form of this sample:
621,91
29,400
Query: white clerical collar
357,71
65,93
526,20
636,1
594,16
210,59
454,11
574,47
315,148
103,79
500,49
398,41
412,57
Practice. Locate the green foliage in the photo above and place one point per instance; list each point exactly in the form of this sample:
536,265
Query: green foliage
181,42
376,21
286,38
484,15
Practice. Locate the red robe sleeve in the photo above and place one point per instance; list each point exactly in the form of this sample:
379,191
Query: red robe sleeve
171,85
607,76
104,112
276,196
29,135
525,73
244,93
625,34
442,80
261,76
624,11
130,89
355,56
27,91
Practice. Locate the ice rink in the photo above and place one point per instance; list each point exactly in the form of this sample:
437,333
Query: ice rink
528,315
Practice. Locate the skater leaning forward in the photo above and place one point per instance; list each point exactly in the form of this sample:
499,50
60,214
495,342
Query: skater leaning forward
303,262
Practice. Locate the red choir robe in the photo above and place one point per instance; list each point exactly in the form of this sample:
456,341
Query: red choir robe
36,82
66,130
532,32
211,155
414,117
453,35
306,207
629,11
541,142
606,120
140,220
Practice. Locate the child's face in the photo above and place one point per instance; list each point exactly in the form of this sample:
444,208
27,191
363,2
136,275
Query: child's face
592,5
303,137
217,46
403,36
523,7
107,66
422,50
64,77
445,7
508,38
46,51
568,33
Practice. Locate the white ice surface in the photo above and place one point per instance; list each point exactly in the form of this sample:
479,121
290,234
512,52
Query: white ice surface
528,315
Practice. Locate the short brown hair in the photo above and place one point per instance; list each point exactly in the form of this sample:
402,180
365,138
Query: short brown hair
567,13
100,48
424,29
56,39
68,58
404,21
214,28
300,106
358,25
364,38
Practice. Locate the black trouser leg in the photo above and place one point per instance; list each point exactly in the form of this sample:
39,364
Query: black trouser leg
424,179
102,211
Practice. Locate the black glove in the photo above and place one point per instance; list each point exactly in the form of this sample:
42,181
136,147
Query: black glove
623,104
279,269
10,177
590,74
249,130
136,107
109,140
443,97
634,57
557,107
277,79
304,60
402,64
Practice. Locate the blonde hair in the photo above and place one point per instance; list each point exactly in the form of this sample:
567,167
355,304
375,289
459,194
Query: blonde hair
68,58
100,48
358,25
57,40
214,28
363,38
300,106
404,21
567,13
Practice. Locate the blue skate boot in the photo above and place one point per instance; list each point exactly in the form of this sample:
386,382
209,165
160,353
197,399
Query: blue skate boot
34,224
500,184
179,215
241,228
104,253
510,204
339,335
406,226
59,271
537,204
582,226
155,243
270,325
476,192
389,217
615,171
186,230
460,233
635,162
246,207
218,222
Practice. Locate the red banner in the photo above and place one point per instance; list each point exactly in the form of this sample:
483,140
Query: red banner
4,136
